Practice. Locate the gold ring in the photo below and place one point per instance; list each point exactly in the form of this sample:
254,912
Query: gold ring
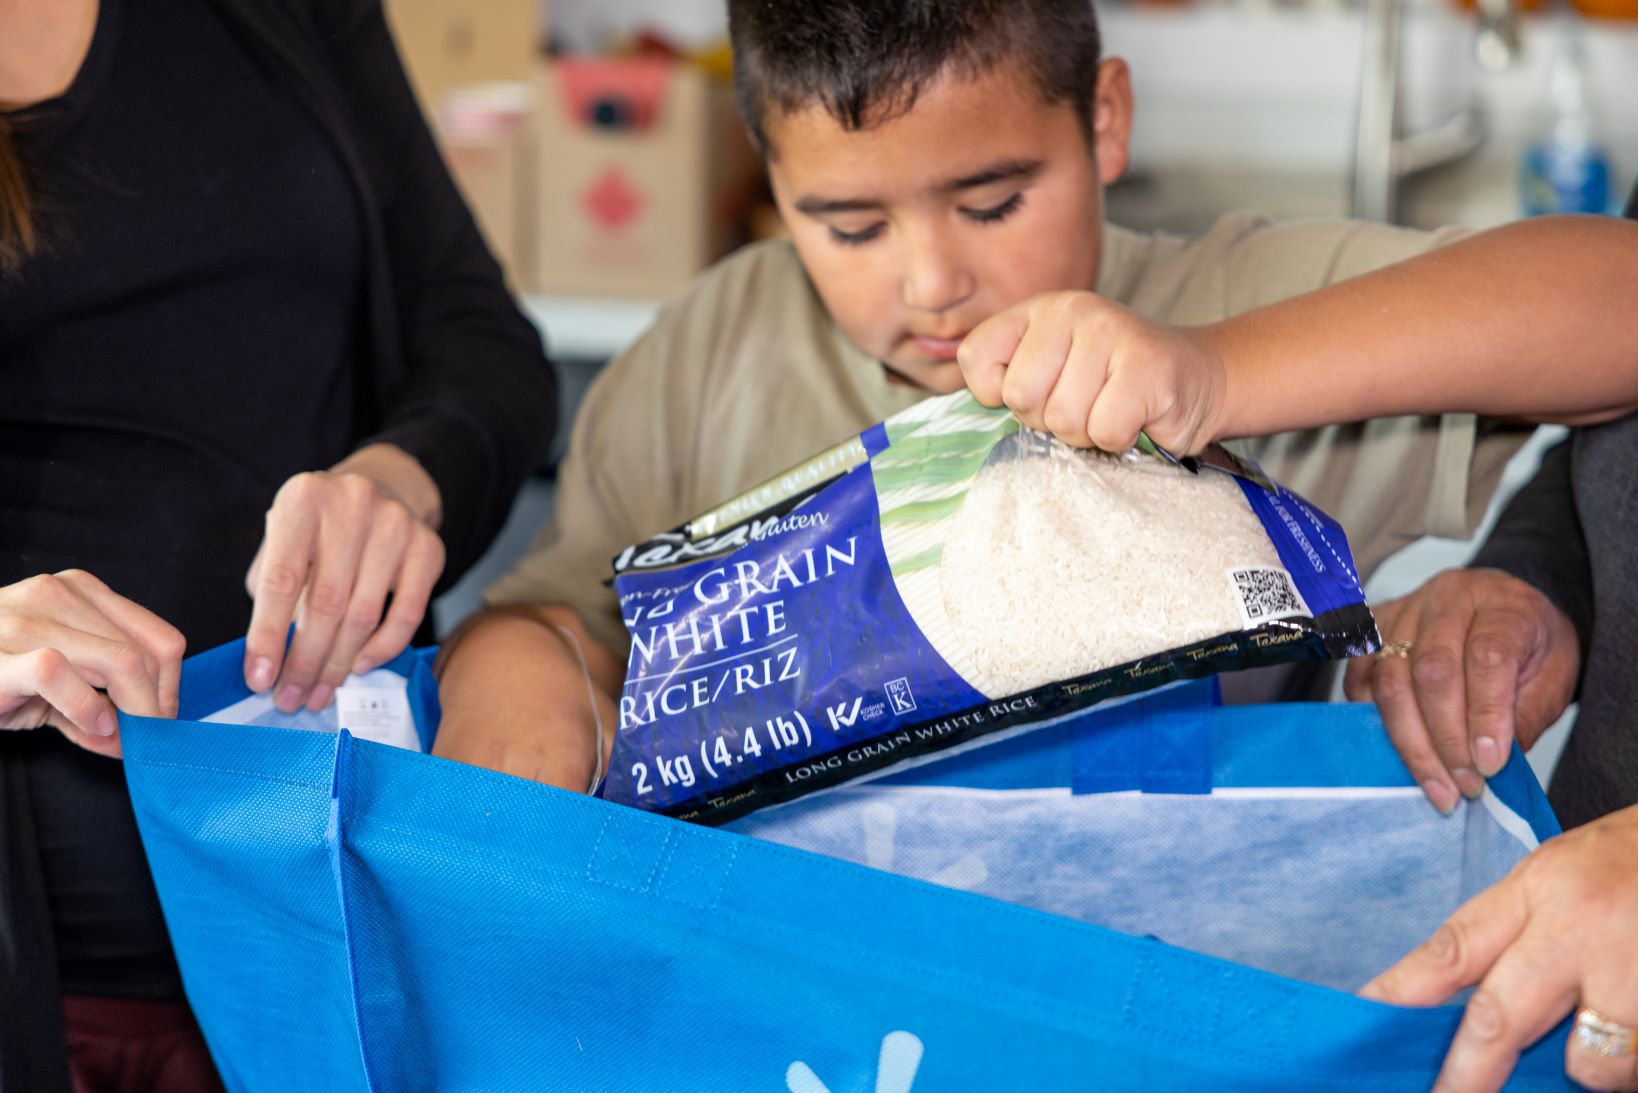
1400,649
1606,1037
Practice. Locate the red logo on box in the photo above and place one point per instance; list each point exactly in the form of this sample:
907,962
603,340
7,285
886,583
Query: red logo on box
612,201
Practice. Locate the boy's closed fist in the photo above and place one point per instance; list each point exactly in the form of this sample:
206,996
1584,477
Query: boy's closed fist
1094,374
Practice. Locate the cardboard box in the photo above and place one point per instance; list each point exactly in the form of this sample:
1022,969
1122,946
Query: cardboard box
489,174
642,174
452,43
484,132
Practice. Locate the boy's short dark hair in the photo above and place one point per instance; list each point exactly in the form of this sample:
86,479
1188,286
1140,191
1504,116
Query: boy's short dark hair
865,61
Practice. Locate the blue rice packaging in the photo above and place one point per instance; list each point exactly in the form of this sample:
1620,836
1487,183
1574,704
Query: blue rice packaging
944,578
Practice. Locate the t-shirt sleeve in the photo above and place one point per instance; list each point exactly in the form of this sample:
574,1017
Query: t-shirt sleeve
1388,481
614,487
1269,261
678,423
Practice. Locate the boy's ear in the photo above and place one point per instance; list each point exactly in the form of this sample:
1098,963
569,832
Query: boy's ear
1112,120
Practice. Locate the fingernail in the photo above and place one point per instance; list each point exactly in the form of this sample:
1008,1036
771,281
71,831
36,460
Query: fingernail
261,674
320,697
107,724
1468,782
289,697
1487,754
362,667
1441,794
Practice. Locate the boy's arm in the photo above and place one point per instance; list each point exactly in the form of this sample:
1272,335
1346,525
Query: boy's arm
526,682
1532,320
528,691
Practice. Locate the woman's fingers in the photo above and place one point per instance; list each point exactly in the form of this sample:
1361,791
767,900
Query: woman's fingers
1595,1066
1394,691
1357,678
378,570
423,563
163,644
64,696
58,684
338,546
1437,670
281,572
1500,646
66,638
1460,952
1559,932
1475,660
34,606
1529,990
348,514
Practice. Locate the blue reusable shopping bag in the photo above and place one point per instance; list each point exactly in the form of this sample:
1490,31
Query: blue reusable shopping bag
355,916
234,820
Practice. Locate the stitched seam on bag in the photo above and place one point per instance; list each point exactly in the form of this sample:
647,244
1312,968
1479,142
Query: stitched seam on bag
324,785
1219,982
593,863
718,885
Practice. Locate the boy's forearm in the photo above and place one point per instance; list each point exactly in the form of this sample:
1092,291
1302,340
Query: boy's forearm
524,690
1534,320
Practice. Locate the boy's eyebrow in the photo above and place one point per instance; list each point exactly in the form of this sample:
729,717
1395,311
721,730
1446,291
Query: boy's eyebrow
813,205
1012,168
819,206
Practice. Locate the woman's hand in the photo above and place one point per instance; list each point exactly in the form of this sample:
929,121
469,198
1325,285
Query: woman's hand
1094,373
338,542
64,639
1472,660
1560,931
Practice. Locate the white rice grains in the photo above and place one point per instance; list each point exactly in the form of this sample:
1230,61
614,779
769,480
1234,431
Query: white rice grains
1062,562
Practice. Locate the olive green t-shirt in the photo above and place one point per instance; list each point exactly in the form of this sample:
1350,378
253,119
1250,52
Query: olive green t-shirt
747,375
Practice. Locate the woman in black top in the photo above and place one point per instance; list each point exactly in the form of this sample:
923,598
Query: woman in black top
236,282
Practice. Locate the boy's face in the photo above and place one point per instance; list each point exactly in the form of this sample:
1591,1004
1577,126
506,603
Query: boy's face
919,228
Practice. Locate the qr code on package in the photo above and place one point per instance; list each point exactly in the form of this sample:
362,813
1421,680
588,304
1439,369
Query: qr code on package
1264,593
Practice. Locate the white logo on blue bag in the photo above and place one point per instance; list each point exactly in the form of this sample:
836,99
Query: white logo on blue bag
898,693
895,1068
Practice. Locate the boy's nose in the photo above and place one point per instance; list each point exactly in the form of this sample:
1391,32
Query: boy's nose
935,278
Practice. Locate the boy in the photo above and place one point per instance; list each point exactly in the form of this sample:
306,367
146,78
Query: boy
936,164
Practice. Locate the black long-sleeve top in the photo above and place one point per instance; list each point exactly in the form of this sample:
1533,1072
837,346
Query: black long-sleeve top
256,262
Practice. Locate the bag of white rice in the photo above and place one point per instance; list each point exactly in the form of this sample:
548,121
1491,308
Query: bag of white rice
945,577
